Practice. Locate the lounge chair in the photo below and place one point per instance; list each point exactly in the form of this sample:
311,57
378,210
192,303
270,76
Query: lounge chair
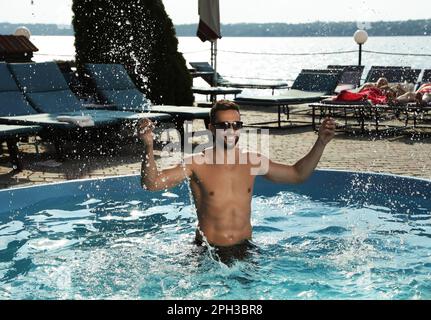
48,93
309,86
213,92
390,67
350,77
422,112
426,77
12,134
208,76
362,110
115,87
394,74
15,109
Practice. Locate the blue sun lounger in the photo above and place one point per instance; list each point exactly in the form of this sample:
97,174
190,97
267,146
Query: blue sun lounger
115,87
47,91
49,94
15,110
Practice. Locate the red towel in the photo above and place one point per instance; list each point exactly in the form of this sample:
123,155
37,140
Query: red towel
375,95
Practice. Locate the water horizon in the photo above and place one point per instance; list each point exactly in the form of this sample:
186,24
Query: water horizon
244,59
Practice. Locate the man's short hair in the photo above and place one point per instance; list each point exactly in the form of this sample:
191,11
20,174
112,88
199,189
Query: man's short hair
222,105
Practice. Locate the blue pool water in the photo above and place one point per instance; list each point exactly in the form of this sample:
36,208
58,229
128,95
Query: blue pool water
339,236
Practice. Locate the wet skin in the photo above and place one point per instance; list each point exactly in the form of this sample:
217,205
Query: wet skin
223,192
222,196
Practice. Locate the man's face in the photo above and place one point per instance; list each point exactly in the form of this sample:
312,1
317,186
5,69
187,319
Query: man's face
227,138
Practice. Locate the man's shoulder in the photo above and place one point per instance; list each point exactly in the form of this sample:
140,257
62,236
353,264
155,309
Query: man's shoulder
194,159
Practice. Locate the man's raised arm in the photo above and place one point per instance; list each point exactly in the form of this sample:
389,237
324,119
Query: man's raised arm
151,178
303,169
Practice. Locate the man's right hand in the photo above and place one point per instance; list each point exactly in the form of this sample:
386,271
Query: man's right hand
145,131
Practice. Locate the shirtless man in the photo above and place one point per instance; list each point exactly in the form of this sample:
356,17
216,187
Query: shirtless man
223,192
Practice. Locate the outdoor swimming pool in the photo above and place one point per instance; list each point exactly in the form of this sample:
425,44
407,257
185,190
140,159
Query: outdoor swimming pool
341,235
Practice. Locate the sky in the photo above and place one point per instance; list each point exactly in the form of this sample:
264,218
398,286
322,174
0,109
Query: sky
235,11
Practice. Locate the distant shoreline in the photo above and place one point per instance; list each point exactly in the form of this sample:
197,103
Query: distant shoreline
270,30
180,36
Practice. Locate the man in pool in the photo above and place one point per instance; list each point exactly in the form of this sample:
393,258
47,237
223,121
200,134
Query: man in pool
223,190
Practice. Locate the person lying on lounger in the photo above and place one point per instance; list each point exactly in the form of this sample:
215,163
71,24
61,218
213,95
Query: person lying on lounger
381,92
421,96
381,83
391,91
223,192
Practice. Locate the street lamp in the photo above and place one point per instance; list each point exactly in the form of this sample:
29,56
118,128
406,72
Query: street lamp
360,36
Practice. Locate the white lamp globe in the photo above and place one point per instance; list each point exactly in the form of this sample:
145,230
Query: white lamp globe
360,36
23,31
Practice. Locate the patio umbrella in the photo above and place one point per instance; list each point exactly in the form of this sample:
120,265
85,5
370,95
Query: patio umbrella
209,28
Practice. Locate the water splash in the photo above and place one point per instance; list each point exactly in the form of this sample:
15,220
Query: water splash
146,103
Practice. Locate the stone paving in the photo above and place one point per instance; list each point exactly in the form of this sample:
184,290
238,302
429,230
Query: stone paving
407,154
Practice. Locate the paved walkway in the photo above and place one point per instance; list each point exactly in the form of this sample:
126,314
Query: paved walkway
405,155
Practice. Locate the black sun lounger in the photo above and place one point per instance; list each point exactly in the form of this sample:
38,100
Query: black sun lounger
394,75
350,77
208,76
12,134
309,86
360,111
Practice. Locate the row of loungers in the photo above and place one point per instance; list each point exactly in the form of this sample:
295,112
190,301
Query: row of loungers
361,111
310,86
314,86
207,74
34,95
351,75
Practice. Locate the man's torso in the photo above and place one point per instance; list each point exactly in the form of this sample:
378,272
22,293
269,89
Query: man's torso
223,196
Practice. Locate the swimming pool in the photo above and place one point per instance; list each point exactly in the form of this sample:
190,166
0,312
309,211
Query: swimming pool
341,235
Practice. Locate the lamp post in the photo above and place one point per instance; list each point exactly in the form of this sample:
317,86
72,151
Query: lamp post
360,36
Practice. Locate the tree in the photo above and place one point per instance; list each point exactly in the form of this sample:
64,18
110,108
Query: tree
140,35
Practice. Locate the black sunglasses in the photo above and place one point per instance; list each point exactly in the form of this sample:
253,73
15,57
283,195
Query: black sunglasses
236,125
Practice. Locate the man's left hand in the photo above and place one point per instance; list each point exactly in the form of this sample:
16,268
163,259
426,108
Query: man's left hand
327,130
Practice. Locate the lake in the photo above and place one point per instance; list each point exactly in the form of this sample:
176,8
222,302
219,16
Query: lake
259,66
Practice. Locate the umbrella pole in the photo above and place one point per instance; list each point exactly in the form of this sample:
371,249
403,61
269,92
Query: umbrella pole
215,63
212,54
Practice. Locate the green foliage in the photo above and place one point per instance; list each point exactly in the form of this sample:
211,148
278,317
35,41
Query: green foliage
140,35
